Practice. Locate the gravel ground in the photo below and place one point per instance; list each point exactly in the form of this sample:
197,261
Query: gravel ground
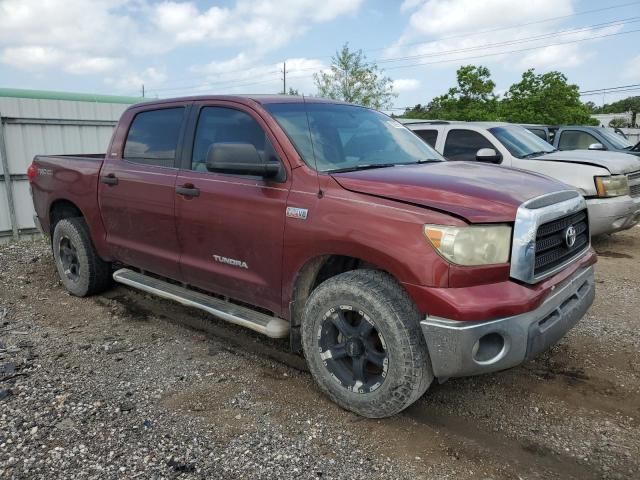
123,385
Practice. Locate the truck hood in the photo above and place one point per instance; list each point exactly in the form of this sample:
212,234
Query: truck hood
479,193
612,161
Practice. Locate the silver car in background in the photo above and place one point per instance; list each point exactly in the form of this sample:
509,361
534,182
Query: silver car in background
609,181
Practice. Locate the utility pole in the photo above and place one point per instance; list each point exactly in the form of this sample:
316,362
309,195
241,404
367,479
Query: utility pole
284,77
143,90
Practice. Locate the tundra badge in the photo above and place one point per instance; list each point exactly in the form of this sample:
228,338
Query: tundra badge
231,261
294,212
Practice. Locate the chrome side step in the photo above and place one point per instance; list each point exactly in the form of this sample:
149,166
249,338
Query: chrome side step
273,327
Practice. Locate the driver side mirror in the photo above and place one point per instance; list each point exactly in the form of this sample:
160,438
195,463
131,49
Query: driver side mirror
597,146
488,155
241,159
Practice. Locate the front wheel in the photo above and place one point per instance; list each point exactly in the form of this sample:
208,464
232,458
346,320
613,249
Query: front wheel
363,343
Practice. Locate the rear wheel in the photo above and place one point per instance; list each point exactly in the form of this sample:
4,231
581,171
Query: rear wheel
363,342
80,268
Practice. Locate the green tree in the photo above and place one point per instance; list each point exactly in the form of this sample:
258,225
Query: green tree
618,122
545,98
291,91
472,99
352,79
593,108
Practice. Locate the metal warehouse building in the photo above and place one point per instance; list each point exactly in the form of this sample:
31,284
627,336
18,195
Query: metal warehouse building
38,122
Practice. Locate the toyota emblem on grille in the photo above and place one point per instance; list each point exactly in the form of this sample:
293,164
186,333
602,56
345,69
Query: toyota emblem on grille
570,236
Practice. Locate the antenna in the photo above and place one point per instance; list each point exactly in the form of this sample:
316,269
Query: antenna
313,148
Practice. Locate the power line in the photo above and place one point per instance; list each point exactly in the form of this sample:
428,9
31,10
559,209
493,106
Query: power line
585,12
220,82
517,41
607,92
478,32
506,52
600,90
513,51
411,65
205,86
499,44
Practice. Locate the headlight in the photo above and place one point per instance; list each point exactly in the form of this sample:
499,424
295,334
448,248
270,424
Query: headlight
471,245
612,186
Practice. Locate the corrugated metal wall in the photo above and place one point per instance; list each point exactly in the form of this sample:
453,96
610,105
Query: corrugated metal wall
31,126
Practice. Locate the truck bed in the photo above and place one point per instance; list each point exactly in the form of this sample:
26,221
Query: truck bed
75,176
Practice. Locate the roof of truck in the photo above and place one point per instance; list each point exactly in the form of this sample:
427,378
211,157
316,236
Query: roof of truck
262,99
408,121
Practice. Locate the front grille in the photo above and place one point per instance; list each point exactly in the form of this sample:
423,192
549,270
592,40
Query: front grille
551,247
634,184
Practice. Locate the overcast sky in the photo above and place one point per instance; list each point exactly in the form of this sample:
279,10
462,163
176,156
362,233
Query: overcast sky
238,46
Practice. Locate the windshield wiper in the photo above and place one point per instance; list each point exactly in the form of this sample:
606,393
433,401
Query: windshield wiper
535,154
366,166
425,160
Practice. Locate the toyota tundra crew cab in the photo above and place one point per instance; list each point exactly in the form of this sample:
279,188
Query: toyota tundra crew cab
609,181
328,224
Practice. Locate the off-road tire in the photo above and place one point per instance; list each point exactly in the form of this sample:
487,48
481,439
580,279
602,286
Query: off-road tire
93,273
395,317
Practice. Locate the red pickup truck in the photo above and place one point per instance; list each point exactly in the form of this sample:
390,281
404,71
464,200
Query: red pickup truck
332,225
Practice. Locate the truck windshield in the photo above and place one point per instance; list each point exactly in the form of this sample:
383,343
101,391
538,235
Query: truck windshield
618,141
334,137
520,142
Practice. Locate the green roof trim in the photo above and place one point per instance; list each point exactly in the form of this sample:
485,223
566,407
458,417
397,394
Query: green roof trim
70,96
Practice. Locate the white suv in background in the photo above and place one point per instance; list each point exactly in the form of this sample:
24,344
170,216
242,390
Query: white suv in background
609,181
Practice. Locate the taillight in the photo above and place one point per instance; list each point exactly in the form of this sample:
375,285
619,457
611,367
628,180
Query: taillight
32,173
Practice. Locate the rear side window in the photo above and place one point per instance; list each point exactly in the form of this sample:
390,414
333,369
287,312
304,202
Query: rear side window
464,144
153,137
429,136
539,132
576,140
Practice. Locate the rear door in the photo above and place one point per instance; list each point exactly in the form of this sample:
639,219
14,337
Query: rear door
230,226
137,189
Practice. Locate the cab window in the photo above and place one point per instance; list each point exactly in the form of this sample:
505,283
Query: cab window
430,136
227,125
540,133
576,140
464,144
153,137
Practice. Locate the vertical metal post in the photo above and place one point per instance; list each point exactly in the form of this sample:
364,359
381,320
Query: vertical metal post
7,182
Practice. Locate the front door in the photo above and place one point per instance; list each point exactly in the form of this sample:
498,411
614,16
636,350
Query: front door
137,193
463,145
231,227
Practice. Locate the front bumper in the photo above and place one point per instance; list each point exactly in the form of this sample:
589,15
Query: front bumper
460,349
609,215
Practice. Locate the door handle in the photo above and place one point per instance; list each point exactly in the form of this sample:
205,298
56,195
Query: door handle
109,179
188,190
